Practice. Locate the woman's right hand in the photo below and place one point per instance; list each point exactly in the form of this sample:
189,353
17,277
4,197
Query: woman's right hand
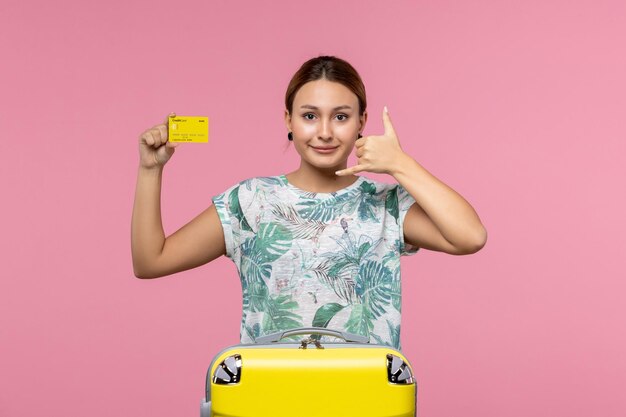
154,148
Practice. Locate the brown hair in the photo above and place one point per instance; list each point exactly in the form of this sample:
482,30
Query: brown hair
332,69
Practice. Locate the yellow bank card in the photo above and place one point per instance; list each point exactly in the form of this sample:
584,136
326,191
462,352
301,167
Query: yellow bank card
188,129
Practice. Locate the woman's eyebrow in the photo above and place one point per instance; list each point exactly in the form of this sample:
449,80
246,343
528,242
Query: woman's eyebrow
309,106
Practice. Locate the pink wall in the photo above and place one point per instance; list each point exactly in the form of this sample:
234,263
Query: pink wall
520,106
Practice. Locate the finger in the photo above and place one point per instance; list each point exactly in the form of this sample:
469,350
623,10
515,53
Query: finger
359,152
147,137
351,170
156,137
158,140
167,119
359,142
169,149
387,122
162,133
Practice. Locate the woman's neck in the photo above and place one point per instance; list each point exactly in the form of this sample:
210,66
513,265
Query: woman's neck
318,180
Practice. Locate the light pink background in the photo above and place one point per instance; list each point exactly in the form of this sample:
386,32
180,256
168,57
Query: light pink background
519,106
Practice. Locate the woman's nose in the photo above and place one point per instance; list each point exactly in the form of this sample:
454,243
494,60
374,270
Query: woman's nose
325,131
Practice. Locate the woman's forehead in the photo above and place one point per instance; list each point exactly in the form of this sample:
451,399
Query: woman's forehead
323,93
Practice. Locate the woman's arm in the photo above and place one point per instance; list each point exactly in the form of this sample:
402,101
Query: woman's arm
441,219
196,243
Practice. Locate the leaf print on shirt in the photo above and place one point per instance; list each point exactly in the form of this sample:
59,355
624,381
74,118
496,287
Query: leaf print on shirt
244,314
264,182
368,202
256,295
360,321
394,336
253,267
362,200
372,288
218,201
352,250
254,331
325,314
235,209
341,282
392,262
279,314
391,259
300,228
319,272
391,203
396,292
327,209
272,241
258,252
339,268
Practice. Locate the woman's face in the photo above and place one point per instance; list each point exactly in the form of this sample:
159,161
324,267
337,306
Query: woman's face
325,123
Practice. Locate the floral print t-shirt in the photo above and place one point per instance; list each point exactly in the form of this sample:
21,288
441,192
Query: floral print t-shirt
317,259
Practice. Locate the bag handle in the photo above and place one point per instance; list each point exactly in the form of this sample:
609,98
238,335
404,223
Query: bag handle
348,337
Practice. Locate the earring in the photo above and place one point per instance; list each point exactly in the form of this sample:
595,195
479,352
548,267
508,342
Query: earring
289,136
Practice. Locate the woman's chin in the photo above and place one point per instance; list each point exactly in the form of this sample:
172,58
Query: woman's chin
329,164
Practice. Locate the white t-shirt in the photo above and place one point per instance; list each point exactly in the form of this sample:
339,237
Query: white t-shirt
317,259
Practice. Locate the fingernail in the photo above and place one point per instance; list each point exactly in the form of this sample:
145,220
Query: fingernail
386,111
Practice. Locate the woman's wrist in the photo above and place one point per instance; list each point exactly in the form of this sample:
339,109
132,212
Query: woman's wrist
402,165
153,170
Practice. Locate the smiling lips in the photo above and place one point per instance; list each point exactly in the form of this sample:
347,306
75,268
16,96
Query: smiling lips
324,149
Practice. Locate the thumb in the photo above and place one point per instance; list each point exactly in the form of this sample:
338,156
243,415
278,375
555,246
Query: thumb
387,122
170,145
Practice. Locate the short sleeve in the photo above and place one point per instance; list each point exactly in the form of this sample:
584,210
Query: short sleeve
405,201
227,205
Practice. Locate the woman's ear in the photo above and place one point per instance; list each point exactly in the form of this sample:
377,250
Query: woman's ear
288,120
363,120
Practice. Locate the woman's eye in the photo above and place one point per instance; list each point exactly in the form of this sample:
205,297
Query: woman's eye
311,116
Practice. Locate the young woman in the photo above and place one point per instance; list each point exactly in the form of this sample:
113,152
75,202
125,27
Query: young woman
319,246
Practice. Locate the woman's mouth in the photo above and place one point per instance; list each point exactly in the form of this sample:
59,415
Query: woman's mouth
324,149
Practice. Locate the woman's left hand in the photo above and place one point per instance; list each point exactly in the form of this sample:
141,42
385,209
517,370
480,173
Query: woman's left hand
380,154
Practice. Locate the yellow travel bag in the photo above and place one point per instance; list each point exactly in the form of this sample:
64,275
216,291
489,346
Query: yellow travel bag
310,378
